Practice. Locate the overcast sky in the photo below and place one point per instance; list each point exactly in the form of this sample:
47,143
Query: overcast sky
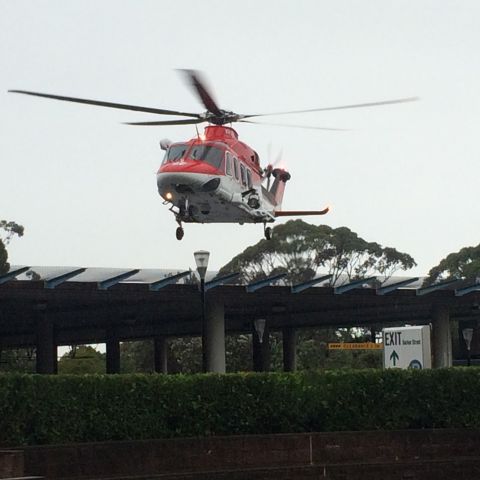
83,184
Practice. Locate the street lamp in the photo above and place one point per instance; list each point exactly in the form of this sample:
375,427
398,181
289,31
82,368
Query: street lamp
467,336
201,259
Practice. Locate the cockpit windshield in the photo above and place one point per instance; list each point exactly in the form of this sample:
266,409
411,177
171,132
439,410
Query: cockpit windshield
207,153
175,152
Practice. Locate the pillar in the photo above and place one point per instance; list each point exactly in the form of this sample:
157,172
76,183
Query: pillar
442,339
261,351
289,337
46,349
215,337
373,333
112,352
160,354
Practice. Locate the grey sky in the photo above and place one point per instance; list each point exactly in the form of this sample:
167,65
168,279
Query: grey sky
83,185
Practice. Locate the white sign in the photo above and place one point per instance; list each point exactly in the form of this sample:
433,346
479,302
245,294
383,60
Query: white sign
407,347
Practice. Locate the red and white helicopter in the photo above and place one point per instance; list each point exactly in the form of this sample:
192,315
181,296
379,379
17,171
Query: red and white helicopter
214,177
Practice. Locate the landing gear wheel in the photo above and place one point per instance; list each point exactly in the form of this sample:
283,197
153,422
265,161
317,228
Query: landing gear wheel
179,233
268,233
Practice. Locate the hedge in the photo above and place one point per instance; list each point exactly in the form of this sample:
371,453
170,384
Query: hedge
37,409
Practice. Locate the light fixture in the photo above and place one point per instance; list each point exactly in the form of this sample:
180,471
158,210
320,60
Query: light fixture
201,259
467,336
259,325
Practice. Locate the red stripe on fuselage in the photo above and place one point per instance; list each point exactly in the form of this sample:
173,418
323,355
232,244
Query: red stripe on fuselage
190,166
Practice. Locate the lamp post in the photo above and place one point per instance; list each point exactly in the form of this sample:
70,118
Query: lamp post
201,259
467,336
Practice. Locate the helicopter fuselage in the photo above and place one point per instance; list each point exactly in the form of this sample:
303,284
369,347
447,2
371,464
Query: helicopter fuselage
216,178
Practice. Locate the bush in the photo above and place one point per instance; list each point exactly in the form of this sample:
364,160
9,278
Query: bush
36,409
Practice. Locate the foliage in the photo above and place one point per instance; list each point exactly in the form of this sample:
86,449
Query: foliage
41,409
82,359
185,354
301,250
136,357
4,266
20,360
312,352
464,264
8,230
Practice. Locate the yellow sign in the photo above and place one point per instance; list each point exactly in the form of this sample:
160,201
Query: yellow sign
355,346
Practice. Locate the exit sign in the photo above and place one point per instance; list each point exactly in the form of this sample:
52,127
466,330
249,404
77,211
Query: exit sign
407,347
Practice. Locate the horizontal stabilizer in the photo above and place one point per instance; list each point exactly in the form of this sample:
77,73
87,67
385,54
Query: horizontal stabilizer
299,213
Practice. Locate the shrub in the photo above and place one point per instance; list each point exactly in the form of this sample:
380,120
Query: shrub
36,409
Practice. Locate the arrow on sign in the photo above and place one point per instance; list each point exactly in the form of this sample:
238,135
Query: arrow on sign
394,358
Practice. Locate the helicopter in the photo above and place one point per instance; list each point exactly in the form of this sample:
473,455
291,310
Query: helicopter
215,177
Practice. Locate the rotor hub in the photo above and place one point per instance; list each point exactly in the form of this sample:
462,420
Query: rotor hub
222,119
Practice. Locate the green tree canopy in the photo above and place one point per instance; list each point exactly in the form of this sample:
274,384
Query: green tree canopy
464,265
301,250
8,230
82,359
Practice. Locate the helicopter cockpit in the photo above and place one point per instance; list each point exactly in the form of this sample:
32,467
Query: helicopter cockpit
208,153
175,152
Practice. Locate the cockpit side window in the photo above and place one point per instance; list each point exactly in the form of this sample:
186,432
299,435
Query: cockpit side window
249,178
175,152
243,174
235,168
228,163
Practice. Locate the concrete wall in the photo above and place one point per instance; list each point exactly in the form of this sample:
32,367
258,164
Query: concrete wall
11,463
297,455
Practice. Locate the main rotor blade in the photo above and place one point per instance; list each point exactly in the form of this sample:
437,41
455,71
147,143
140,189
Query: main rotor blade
343,107
168,122
309,127
202,91
108,104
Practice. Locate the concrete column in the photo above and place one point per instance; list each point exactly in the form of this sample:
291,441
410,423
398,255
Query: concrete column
261,351
160,354
46,350
289,337
215,337
442,339
113,352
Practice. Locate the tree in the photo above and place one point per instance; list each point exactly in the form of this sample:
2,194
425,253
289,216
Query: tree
8,230
301,250
82,359
184,355
462,265
4,266
18,360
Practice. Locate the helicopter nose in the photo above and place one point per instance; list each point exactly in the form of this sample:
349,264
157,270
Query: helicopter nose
184,183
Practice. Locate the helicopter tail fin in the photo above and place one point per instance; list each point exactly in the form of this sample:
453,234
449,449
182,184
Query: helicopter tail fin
278,187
